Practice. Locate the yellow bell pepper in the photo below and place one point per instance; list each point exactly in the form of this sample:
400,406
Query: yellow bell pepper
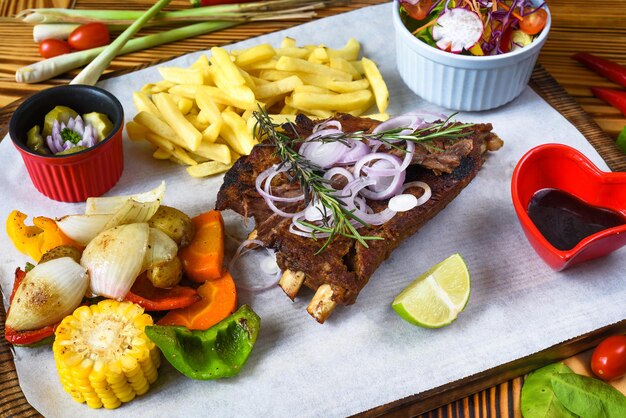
35,240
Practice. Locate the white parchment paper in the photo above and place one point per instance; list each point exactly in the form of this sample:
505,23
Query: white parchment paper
365,355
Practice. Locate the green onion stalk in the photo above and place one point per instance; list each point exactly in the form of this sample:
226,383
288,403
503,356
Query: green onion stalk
242,12
52,67
92,72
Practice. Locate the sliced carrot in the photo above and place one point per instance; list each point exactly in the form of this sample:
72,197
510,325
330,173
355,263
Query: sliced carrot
219,300
202,259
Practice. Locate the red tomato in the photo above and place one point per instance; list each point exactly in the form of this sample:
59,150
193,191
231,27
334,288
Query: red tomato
418,11
608,361
49,48
533,23
90,35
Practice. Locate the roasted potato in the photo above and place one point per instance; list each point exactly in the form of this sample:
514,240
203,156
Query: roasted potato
175,224
60,252
167,274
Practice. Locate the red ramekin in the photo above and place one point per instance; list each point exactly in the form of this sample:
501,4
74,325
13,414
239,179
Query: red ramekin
73,177
561,167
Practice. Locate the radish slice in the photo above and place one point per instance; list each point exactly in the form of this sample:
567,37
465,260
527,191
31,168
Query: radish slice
457,29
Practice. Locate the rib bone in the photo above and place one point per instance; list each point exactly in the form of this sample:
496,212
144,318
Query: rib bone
291,282
322,304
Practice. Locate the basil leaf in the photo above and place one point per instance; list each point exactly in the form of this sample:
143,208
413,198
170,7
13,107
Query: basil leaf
587,397
538,399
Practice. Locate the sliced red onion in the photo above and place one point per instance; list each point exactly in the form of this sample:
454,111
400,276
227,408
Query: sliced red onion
316,211
409,121
265,264
427,191
334,123
79,126
424,113
357,150
322,133
384,186
403,202
267,176
357,186
338,171
323,154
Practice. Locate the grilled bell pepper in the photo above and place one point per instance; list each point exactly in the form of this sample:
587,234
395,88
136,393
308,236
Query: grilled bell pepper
151,298
220,351
32,338
37,239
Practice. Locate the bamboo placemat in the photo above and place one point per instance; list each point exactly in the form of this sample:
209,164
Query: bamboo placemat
576,27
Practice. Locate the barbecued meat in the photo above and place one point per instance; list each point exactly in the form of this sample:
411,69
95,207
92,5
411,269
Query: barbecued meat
345,266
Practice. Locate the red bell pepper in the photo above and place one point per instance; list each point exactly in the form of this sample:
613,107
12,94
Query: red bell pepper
27,338
609,69
151,298
616,98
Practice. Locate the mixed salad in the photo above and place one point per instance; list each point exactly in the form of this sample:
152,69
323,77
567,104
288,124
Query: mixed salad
474,27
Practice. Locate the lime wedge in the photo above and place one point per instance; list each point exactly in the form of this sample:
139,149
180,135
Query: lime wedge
435,299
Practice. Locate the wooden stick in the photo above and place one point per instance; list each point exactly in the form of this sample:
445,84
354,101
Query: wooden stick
291,282
322,304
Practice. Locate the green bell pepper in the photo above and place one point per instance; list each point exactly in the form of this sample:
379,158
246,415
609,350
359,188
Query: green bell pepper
220,351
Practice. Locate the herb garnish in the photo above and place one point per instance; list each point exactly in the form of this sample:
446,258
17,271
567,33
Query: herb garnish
338,219
68,134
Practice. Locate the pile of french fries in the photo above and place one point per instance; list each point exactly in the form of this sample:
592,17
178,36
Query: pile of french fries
201,116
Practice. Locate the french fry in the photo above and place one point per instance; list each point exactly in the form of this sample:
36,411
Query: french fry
183,128
185,90
344,102
216,152
277,88
182,75
158,127
344,65
159,142
297,64
379,87
222,97
161,86
208,169
292,51
255,54
135,131
212,132
222,60
349,52
180,154
184,104
236,134
144,104
161,154
200,125
287,42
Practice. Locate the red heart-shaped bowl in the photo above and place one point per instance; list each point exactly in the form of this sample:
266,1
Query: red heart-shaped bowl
561,167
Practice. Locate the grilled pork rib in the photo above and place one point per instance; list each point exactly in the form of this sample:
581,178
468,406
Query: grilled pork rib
340,272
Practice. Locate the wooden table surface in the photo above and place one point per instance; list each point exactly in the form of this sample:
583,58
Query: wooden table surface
597,26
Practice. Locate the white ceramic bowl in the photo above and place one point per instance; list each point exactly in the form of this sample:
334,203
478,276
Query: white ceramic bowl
463,82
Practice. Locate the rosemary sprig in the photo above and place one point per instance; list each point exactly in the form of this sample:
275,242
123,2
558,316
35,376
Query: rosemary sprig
337,219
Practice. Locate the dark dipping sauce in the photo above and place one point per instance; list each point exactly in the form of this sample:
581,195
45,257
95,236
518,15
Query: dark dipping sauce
565,220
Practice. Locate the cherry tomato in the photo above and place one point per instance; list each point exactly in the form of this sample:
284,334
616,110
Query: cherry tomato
608,360
533,23
418,11
90,35
49,48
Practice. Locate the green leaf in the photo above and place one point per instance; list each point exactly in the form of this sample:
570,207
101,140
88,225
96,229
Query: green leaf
621,140
587,397
538,399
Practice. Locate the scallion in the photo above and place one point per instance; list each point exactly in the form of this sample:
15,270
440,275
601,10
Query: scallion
92,72
262,10
53,31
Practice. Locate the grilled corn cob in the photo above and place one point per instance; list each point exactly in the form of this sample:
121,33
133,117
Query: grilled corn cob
103,356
